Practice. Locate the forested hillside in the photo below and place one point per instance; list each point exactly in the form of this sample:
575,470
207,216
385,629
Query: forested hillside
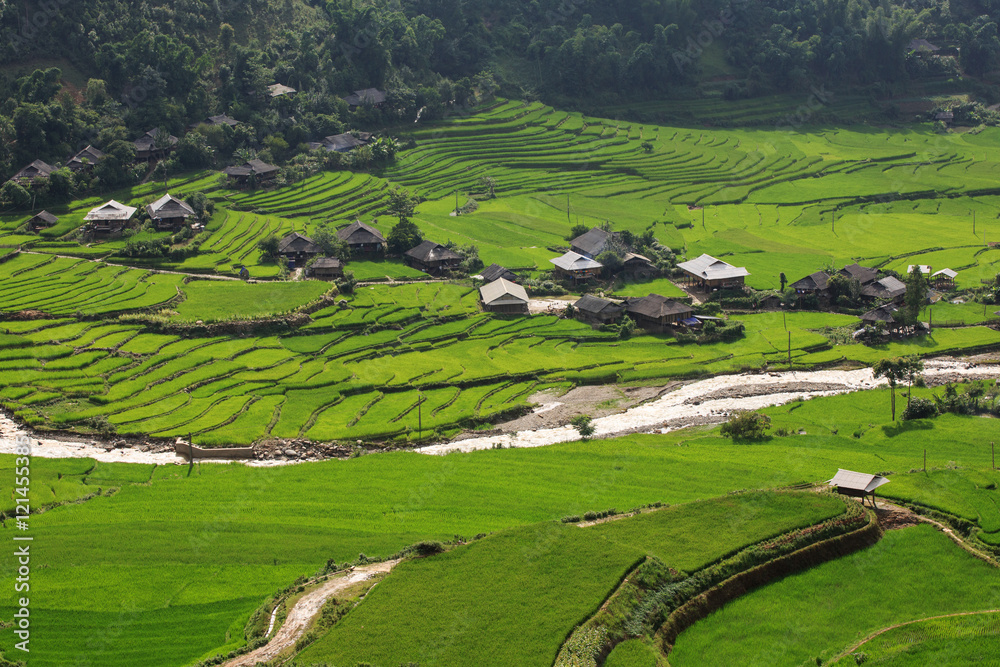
104,71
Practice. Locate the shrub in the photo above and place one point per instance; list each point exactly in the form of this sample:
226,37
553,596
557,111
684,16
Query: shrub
583,424
746,425
920,408
571,519
428,548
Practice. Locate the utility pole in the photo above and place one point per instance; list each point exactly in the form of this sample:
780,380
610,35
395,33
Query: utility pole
925,460
568,219
456,203
703,217
973,222
789,350
784,320
420,416
993,455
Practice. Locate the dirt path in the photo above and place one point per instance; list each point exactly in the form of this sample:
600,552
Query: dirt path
304,611
855,647
913,518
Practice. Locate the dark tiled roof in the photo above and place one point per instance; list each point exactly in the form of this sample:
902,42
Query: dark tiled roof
341,143
358,233
880,314
495,272
863,274
429,251
368,96
589,303
88,156
222,119
814,281
35,169
169,207
327,263
591,243
46,217
657,306
296,242
887,288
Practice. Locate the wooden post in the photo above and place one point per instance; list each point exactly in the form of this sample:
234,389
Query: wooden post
420,417
568,219
703,217
784,320
993,455
925,459
789,350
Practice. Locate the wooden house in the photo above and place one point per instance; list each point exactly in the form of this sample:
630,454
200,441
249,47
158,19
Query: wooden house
346,142
889,288
327,268
42,220
36,170
362,238
151,146
857,484
222,119
169,213
657,312
369,97
85,159
297,249
887,314
814,283
711,273
862,274
595,310
433,258
109,219
280,90
576,267
591,243
251,174
944,279
495,272
636,266
503,296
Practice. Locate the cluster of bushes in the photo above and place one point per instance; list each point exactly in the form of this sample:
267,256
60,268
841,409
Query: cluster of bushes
975,400
540,287
712,333
590,516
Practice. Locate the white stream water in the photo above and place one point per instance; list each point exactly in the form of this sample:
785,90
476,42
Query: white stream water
689,404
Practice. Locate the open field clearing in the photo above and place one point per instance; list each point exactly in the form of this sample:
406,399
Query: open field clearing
511,598
951,640
910,574
242,516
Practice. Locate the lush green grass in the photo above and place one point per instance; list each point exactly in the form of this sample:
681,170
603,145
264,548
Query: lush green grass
969,494
512,598
215,300
632,653
428,334
241,517
958,640
910,574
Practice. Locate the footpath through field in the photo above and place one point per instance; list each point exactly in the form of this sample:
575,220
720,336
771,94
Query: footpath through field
300,616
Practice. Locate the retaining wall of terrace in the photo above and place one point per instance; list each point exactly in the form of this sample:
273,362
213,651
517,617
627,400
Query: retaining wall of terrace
190,451
739,584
